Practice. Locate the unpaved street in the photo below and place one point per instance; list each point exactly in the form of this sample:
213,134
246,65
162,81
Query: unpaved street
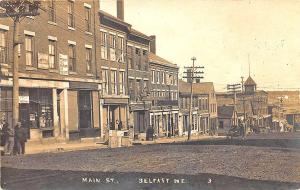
280,164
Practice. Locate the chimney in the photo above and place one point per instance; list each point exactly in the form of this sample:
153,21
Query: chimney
120,9
153,44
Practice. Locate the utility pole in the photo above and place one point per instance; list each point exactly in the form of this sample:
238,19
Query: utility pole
234,88
191,74
16,10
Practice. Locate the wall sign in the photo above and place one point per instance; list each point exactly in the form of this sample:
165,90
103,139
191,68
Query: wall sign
43,62
24,97
63,64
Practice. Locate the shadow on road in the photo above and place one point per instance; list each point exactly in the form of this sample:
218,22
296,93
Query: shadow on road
52,179
282,143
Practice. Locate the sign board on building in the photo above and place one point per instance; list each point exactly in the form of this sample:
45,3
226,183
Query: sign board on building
24,97
43,62
63,64
32,117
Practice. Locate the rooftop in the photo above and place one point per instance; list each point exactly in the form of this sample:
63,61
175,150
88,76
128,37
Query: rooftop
159,60
198,88
249,82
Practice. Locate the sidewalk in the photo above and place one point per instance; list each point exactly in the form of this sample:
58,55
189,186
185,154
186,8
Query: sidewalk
75,146
63,147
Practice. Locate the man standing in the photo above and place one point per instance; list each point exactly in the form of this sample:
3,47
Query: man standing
21,138
10,141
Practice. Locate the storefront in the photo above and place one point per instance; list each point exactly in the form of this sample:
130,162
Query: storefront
114,114
36,111
164,122
6,105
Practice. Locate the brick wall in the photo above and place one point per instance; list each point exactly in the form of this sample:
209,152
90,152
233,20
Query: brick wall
42,29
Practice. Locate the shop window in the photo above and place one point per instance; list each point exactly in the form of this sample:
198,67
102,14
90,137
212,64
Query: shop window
3,46
38,112
85,109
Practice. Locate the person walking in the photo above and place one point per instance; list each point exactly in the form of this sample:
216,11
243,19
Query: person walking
21,138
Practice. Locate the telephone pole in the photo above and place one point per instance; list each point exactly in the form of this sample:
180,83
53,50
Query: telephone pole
191,74
234,88
16,10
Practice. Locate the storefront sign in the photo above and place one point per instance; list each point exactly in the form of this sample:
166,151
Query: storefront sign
24,97
32,117
63,64
43,62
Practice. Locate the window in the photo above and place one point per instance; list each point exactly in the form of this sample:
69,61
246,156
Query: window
157,77
163,78
72,57
103,41
112,44
88,58
129,57
52,54
144,60
29,50
113,78
51,11
138,58
137,51
71,17
121,82
3,47
120,50
153,76
105,81
87,19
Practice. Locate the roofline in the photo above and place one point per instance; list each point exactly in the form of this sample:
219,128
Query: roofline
113,18
170,64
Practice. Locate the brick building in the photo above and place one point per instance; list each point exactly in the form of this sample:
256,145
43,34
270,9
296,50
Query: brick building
59,71
164,94
125,74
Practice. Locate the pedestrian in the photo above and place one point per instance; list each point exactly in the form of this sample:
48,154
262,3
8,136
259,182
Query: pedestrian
21,138
10,140
120,125
4,135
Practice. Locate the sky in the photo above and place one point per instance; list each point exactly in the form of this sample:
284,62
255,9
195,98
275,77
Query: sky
224,36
